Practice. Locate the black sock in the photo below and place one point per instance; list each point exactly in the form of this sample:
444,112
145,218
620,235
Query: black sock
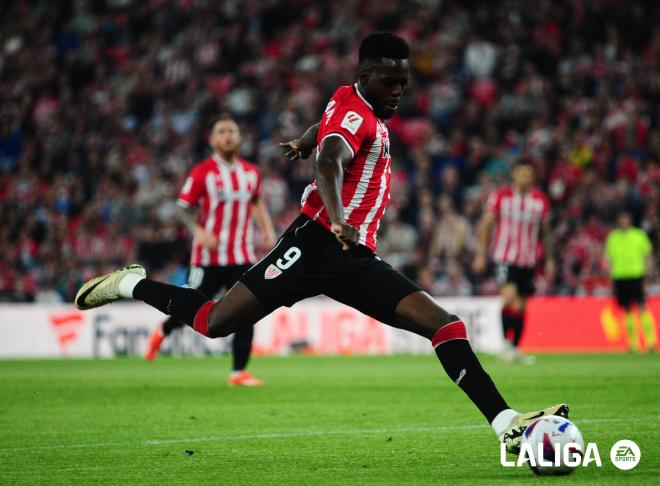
241,346
517,324
464,369
170,325
178,302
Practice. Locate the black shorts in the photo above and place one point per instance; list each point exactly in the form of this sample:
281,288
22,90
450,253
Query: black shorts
521,277
213,279
308,261
629,291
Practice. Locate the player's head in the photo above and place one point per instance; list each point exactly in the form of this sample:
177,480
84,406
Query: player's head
383,72
624,219
225,136
523,175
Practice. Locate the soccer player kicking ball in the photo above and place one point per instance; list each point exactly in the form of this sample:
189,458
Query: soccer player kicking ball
226,191
330,248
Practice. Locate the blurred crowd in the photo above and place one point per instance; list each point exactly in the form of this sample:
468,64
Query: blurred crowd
106,103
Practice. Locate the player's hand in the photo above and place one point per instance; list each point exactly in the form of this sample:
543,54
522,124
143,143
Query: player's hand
479,263
206,239
550,271
346,234
295,150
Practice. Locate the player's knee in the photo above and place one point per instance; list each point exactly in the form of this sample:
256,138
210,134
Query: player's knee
449,332
219,327
222,323
423,311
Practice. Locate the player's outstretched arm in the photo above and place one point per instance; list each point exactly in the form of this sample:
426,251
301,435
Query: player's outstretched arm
549,249
484,231
333,157
264,222
187,218
301,148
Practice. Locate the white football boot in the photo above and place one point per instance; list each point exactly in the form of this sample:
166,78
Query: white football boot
104,289
513,434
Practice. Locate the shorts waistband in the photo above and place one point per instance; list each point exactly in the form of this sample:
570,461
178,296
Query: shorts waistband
307,224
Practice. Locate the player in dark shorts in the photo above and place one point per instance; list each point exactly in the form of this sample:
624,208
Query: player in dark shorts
519,215
218,203
330,248
628,254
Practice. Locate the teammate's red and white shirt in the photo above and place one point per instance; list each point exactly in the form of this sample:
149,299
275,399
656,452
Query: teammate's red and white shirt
366,187
224,193
518,222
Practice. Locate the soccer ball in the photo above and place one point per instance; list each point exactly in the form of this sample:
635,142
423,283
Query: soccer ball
554,446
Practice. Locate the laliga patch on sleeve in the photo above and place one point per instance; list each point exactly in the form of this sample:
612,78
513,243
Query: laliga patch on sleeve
351,122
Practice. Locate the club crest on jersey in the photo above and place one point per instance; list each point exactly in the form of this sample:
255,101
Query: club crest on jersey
272,272
352,122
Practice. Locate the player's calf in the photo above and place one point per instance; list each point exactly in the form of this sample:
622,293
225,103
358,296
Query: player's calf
237,309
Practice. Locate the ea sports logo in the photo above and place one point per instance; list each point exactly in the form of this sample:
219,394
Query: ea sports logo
625,454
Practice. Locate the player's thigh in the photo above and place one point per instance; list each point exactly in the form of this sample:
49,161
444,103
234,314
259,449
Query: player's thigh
523,278
622,293
295,268
238,308
391,298
629,292
420,313
236,303
638,292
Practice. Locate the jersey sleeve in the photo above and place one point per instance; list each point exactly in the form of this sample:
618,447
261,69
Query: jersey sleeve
608,245
494,202
647,247
192,189
347,120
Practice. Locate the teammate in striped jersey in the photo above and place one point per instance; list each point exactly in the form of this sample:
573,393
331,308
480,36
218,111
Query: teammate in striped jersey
331,247
225,190
519,213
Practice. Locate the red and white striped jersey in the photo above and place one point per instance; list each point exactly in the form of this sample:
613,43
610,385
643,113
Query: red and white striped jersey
366,187
519,218
224,193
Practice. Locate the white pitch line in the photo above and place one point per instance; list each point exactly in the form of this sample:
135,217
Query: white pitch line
315,433
300,433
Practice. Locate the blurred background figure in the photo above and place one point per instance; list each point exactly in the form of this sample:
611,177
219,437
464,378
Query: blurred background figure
628,255
520,216
226,192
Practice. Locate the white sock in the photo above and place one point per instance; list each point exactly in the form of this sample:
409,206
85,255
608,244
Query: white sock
128,283
503,419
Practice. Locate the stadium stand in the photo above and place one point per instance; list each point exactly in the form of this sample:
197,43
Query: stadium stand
103,112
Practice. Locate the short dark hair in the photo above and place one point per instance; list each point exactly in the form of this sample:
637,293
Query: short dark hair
225,116
378,45
524,161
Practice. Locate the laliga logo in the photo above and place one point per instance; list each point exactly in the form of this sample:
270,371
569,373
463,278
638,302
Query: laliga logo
553,445
549,458
548,455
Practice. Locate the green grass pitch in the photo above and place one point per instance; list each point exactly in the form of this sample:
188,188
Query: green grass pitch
357,420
